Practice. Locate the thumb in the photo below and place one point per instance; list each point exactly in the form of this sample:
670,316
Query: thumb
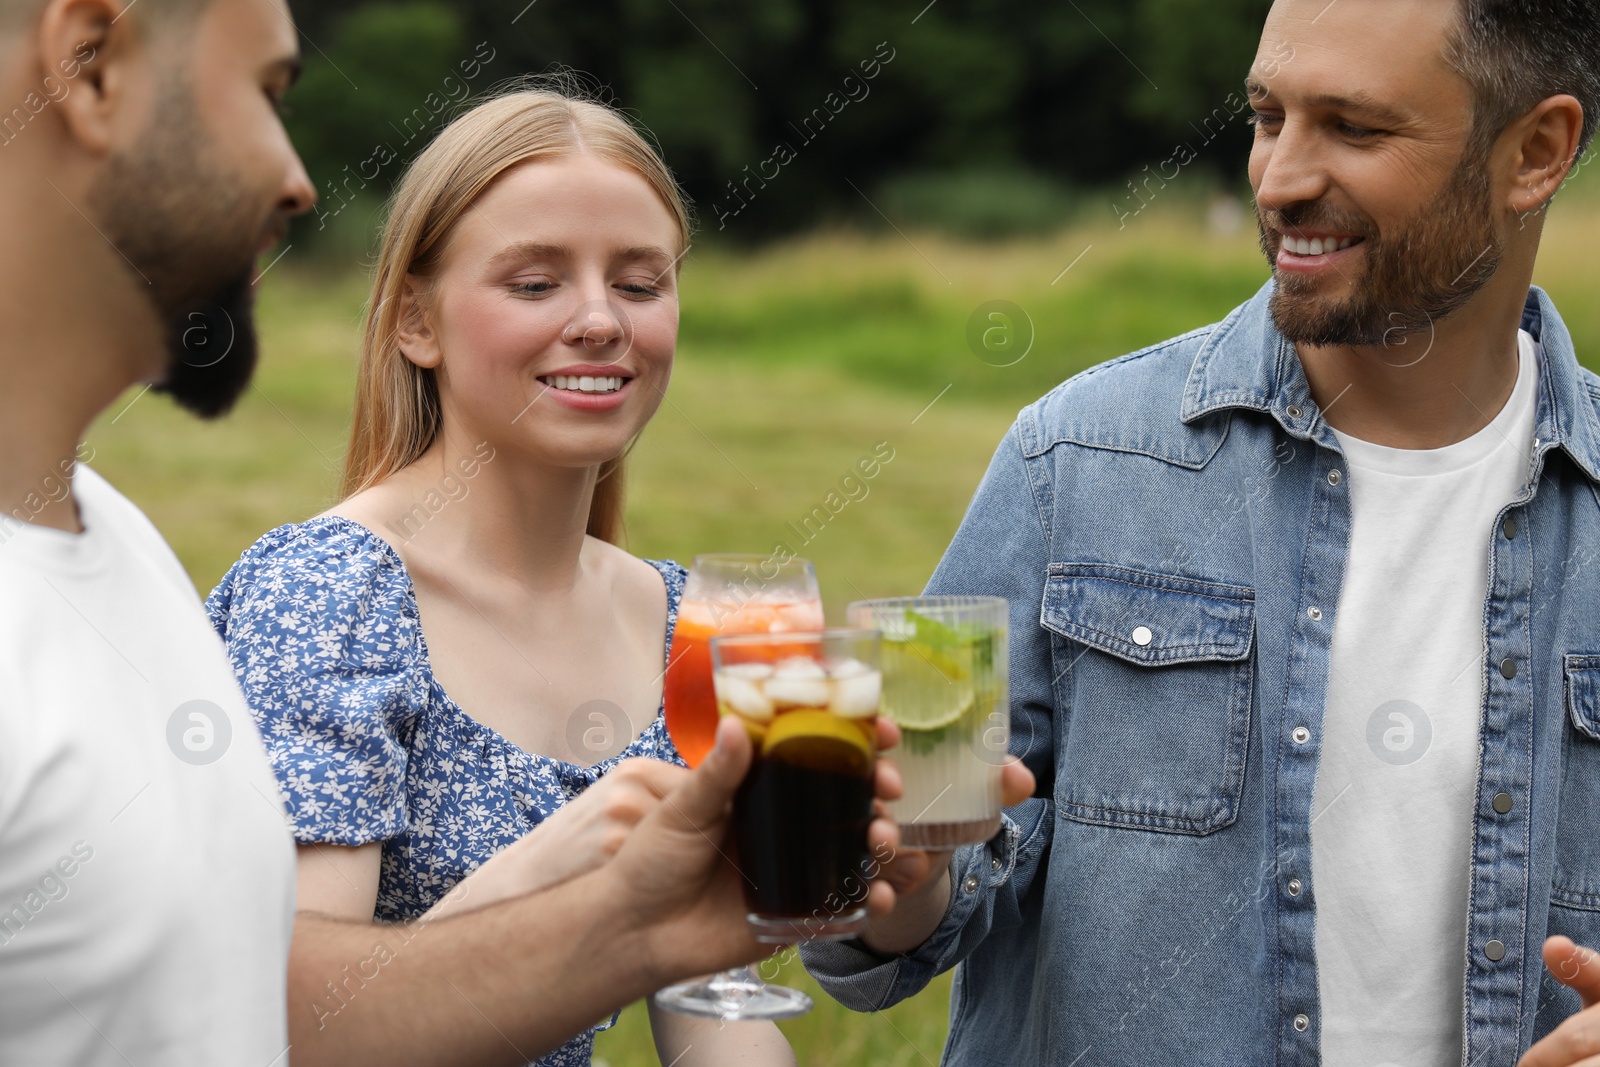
1574,966
1016,783
703,797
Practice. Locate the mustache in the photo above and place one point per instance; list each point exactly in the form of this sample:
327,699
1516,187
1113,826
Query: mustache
1316,216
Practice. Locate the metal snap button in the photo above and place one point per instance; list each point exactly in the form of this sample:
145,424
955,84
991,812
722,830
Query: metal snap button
1295,887
1502,802
994,864
1301,735
1293,411
1508,668
1334,477
971,884
1142,635
1315,613
1302,1023
1509,527
1495,950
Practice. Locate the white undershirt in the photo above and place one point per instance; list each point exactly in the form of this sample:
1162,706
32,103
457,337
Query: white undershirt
146,897
1392,820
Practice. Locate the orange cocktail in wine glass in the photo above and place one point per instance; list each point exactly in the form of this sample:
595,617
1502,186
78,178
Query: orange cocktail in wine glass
729,594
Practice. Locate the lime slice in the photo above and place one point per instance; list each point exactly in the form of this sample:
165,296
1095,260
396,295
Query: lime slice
924,689
819,741
920,716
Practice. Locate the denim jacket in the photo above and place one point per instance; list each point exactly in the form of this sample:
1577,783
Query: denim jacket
1137,910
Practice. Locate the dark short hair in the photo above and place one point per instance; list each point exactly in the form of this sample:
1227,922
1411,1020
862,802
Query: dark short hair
1515,53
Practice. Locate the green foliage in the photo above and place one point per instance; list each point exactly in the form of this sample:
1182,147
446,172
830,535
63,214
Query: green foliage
1193,58
979,204
373,95
1081,94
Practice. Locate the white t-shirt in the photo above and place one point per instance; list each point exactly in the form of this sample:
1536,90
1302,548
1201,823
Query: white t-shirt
146,895
1391,823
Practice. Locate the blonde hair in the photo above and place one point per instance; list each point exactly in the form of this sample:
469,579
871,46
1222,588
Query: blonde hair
397,411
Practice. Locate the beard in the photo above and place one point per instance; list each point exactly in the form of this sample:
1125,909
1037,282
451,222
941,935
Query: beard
1414,277
192,232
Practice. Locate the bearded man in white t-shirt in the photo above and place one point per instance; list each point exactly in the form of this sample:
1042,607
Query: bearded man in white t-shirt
146,871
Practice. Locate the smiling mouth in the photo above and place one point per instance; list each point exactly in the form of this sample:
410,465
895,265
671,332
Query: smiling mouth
1318,246
573,383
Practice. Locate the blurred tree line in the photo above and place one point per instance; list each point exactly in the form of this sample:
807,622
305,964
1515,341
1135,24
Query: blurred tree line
982,116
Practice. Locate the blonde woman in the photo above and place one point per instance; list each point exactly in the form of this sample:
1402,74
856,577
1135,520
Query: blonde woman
437,662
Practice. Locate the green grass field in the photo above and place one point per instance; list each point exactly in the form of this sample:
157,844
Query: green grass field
793,363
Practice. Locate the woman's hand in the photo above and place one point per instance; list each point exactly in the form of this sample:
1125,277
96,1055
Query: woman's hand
585,833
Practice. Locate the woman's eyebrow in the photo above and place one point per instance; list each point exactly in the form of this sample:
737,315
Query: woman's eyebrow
645,252
534,251
529,252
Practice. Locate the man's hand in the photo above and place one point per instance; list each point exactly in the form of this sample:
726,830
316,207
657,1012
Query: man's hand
668,905
676,877
920,879
1576,1042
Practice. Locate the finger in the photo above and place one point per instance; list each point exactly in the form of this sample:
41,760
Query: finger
1016,783
702,796
883,837
1574,966
888,785
908,871
888,733
1568,1044
881,899
914,870
657,777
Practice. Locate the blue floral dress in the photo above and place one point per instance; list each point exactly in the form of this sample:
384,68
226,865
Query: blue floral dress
321,623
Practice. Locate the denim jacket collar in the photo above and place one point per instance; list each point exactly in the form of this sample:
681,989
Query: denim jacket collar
1247,363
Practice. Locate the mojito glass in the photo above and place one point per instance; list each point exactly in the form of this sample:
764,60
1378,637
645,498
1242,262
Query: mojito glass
945,685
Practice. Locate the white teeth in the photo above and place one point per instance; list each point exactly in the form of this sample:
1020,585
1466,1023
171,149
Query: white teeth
1317,246
583,383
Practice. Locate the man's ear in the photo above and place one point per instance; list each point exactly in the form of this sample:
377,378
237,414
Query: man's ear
1544,147
85,51
414,332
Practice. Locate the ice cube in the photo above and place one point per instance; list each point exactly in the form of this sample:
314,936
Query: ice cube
750,672
802,616
799,668
847,668
857,696
744,697
797,692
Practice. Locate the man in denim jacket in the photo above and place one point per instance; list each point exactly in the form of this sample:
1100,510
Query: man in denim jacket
1306,611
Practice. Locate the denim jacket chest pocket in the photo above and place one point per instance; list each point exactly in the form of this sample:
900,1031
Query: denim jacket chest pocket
1159,675
1577,867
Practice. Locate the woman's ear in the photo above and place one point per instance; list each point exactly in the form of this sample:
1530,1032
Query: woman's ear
414,331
